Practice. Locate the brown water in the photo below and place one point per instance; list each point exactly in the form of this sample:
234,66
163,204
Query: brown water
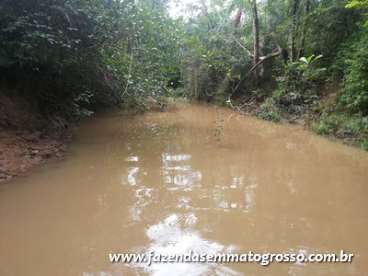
198,178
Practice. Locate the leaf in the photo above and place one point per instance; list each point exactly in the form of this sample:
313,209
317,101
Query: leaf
303,59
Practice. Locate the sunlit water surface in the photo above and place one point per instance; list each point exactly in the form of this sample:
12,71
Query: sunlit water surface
194,178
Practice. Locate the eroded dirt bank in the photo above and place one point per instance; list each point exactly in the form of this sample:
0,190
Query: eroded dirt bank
27,139
20,151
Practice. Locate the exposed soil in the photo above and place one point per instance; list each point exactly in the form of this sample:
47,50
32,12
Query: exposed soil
27,139
20,151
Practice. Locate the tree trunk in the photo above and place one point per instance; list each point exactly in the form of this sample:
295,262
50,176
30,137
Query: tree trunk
255,37
195,80
237,18
305,24
204,8
293,31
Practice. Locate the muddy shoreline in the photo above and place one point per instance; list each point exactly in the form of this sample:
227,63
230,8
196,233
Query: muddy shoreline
20,151
29,138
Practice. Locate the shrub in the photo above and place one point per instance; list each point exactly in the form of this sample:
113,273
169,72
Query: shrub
343,125
299,85
269,111
354,95
326,125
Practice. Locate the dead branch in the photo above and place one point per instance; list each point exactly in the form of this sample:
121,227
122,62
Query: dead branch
254,67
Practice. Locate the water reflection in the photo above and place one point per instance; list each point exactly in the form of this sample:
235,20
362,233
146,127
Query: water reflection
227,197
132,159
102,273
176,235
250,197
143,197
132,174
184,202
178,172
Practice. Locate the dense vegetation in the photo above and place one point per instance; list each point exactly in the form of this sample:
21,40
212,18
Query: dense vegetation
280,59
72,55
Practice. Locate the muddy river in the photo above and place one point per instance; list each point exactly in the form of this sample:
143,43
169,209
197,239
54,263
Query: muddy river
195,178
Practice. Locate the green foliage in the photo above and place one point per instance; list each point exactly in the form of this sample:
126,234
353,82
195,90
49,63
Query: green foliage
327,125
299,85
150,57
308,61
56,46
80,53
354,95
342,125
329,25
215,54
364,144
357,4
269,111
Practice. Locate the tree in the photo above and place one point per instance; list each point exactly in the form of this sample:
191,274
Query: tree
293,28
255,27
301,51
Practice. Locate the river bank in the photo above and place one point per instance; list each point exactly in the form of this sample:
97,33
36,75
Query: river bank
320,118
28,139
21,151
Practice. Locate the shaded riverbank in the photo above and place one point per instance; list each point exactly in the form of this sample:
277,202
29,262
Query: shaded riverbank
28,139
320,118
22,151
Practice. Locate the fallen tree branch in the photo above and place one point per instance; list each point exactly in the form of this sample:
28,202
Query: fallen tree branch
263,59
255,66
243,47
